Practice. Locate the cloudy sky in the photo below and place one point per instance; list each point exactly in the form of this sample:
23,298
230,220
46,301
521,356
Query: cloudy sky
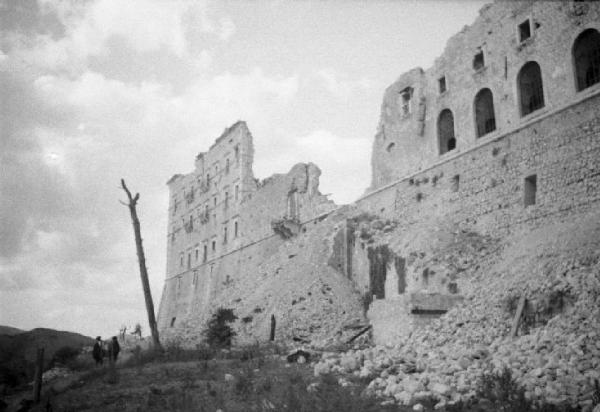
93,91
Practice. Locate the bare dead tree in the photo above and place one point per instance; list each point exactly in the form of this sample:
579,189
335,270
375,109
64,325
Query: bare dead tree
142,261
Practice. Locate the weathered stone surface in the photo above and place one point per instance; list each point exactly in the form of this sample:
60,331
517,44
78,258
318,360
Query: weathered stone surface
444,244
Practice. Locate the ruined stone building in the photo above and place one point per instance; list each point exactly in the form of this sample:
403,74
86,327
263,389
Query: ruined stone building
501,134
223,221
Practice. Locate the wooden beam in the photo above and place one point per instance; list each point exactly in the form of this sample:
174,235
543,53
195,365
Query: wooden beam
362,332
518,315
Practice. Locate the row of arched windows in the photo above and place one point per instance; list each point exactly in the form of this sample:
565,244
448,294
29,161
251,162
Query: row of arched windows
586,60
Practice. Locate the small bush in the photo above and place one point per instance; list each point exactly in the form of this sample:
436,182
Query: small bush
65,354
250,352
501,392
141,357
218,332
244,383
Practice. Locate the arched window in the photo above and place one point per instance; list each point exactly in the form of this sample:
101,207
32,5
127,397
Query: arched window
586,57
484,112
446,137
531,91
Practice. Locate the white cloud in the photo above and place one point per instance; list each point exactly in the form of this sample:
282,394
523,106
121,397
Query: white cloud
340,85
341,160
145,26
226,29
119,129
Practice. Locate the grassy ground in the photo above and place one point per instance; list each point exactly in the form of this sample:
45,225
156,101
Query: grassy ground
248,380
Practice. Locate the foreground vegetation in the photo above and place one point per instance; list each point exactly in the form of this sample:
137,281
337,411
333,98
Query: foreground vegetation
216,377
245,379
249,379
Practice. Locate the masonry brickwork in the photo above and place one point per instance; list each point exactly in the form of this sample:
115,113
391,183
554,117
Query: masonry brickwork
408,133
223,223
500,135
524,171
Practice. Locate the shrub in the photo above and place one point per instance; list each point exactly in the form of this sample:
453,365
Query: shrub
65,354
244,383
501,392
218,332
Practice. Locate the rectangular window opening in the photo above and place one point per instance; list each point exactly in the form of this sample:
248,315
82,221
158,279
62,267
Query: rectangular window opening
442,84
455,183
405,98
530,189
524,30
173,322
478,60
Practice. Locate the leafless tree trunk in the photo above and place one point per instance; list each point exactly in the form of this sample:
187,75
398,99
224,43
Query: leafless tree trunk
142,261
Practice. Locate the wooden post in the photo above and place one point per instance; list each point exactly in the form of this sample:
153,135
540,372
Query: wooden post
272,336
39,370
142,262
362,332
518,314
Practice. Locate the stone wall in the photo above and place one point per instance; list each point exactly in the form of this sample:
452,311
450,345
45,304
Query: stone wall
529,171
484,189
407,138
221,223
428,215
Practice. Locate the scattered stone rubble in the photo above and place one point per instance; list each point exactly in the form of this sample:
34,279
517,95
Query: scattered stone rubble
56,372
556,356
312,302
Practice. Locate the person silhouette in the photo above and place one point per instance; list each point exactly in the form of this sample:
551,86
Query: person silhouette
97,352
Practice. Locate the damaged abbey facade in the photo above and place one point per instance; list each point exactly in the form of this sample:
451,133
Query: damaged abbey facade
501,134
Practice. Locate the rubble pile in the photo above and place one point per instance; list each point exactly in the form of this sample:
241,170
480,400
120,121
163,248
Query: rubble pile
56,372
311,302
556,354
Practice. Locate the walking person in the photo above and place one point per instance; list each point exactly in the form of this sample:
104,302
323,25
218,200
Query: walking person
113,349
97,352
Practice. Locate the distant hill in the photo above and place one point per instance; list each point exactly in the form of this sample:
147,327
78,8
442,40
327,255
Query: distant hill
9,330
18,352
